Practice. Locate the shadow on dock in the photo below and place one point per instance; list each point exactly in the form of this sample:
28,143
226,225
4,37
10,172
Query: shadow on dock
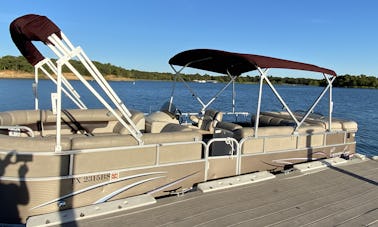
359,177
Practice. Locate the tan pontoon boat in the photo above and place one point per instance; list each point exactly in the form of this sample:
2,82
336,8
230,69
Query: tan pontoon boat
59,159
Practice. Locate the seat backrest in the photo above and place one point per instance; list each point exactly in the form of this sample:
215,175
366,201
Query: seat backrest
209,120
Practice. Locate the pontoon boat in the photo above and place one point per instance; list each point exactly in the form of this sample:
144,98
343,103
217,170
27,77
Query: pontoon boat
59,159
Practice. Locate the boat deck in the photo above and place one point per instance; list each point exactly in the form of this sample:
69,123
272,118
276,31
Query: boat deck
345,195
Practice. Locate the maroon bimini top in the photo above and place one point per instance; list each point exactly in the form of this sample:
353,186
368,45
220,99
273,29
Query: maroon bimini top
237,63
30,28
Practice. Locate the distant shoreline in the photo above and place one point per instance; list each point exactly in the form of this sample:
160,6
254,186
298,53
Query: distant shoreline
11,74
14,74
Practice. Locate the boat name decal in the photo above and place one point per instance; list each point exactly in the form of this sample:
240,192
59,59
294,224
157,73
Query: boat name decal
96,178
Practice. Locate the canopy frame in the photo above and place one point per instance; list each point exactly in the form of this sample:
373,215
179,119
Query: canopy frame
204,105
31,27
228,59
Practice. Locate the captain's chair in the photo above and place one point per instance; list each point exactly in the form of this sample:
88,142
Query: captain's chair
208,121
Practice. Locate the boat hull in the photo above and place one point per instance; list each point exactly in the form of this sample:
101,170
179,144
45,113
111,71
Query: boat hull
40,195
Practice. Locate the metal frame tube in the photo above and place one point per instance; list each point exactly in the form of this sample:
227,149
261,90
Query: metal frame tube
68,89
65,51
312,107
35,88
278,96
257,119
330,82
58,147
200,101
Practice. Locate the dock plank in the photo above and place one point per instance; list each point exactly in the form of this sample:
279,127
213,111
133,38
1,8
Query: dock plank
361,214
343,195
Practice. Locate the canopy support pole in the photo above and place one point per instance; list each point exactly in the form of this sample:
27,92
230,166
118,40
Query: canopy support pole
58,146
311,109
330,82
263,76
257,119
68,89
35,89
66,51
200,101
177,73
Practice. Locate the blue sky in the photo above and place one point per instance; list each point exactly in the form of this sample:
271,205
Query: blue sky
144,34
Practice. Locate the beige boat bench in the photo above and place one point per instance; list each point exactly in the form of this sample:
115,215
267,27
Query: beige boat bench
276,133
284,119
75,121
114,151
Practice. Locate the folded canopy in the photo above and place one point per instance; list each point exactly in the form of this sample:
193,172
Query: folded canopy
237,63
30,28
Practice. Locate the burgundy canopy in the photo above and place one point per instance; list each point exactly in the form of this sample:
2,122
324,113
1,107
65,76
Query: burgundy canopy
236,63
30,28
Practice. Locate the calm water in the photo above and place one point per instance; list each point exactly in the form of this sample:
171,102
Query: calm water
355,104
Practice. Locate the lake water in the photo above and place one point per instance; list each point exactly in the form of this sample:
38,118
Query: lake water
354,104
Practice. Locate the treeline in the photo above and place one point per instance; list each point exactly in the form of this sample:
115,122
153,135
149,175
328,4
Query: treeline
362,81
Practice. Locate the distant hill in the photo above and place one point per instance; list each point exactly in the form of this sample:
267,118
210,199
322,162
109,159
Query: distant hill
18,67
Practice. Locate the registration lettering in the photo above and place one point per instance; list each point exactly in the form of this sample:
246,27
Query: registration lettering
92,178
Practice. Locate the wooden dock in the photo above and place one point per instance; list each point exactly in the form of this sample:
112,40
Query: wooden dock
346,195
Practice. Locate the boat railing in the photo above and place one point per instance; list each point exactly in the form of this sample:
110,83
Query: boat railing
15,130
234,153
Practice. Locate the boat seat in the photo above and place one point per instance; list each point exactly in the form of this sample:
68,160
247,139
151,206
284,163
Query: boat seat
156,121
229,126
263,131
208,121
21,117
35,144
94,120
172,127
284,119
137,117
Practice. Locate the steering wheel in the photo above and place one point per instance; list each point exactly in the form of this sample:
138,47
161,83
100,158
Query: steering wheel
178,115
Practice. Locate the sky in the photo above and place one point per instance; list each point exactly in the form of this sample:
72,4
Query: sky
144,34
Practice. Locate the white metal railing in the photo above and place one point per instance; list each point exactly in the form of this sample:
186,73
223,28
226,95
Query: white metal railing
15,130
236,152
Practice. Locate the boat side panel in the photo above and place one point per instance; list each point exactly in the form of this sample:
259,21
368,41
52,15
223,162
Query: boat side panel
36,165
335,138
110,160
277,161
223,166
45,195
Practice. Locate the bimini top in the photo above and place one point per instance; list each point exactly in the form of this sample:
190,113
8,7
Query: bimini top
30,28
237,63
